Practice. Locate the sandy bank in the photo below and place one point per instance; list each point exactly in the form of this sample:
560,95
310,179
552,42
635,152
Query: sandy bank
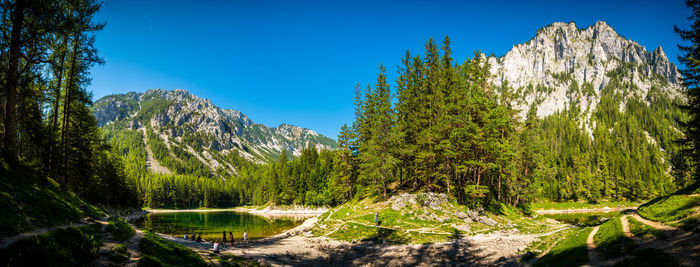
603,209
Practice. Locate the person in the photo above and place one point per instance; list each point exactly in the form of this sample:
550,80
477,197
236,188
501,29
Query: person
194,237
231,236
245,239
185,236
216,246
223,239
199,238
376,218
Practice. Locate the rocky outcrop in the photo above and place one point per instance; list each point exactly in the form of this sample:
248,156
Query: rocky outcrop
544,68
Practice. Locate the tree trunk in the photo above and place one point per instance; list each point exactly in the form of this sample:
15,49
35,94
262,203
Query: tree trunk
11,85
56,103
65,135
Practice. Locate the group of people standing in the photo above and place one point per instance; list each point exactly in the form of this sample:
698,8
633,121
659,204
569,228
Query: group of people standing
231,240
194,237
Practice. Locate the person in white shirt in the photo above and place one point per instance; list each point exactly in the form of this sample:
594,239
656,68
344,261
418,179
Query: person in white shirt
216,246
245,238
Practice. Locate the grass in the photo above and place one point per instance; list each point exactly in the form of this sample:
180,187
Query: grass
649,257
670,208
691,223
611,241
121,229
157,251
416,224
581,205
644,231
121,250
234,261
75,246
544,243
571,251
28,202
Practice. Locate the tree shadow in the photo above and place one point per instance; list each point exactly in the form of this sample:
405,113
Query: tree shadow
385,247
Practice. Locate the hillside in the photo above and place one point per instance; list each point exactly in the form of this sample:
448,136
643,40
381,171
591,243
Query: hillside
179,129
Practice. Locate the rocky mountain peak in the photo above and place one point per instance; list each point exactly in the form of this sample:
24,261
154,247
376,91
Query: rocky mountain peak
543,69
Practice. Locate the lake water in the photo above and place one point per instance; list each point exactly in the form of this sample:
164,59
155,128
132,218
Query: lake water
211,224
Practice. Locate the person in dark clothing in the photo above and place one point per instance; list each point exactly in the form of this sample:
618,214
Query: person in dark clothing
199,238
223,239
231,236
194,237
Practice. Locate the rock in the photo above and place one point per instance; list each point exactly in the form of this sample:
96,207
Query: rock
584,55
461,215
461,227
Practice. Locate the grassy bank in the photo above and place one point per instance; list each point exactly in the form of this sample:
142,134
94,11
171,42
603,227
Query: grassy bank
571,251
76,246
419,223
28,202
611,241
644,231
156,251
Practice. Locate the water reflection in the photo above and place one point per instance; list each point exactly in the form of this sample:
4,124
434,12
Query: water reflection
211,224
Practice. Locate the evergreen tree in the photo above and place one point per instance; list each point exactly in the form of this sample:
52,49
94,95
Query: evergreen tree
690,57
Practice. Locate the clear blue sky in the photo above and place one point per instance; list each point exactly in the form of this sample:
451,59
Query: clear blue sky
298,63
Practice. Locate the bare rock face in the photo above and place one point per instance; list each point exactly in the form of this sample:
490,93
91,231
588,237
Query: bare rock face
115,107
544,68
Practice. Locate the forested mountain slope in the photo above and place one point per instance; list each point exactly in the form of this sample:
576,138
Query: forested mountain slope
190,135
607,111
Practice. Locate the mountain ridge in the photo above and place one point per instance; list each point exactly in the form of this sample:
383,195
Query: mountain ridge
561,53
197,126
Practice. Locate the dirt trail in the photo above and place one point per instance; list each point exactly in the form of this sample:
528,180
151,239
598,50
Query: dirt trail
654,224
626,228
590,244
681,244
7,241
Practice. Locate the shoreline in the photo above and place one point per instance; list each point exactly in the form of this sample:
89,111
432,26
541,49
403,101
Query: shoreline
266,211
591,210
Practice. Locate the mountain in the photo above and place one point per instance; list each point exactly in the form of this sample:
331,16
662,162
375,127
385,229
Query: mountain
178,127
605,108
544,68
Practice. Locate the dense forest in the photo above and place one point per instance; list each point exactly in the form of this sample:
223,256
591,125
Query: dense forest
441,126
48,48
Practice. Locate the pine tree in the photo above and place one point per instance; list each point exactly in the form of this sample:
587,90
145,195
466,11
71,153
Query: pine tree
690,57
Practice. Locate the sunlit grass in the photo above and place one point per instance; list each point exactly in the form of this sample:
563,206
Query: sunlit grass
571,251
670,208
611,241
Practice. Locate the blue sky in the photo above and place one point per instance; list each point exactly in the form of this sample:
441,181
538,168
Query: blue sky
298,62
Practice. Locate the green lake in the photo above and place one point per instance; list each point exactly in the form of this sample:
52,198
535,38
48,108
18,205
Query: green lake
211,224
